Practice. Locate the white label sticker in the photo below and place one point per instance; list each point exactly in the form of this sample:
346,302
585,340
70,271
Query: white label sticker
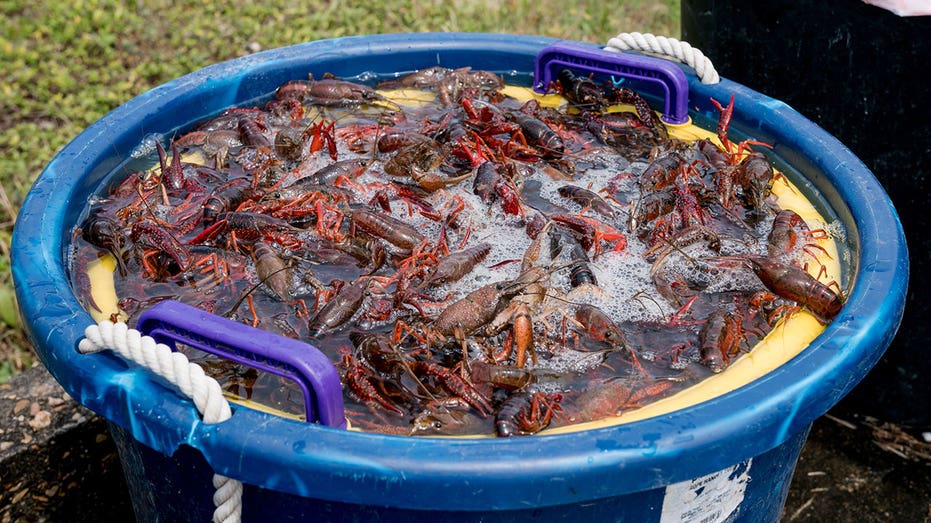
708,499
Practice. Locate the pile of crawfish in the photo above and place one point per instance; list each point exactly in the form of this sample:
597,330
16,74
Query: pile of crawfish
383,231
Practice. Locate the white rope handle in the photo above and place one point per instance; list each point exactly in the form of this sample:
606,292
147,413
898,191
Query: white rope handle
189,378
670,47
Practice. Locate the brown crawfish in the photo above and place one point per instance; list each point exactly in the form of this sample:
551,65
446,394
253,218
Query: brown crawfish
272,271
341,307
456,265
794,283
386,227
477,308
421,162
719,339
525,414
328,91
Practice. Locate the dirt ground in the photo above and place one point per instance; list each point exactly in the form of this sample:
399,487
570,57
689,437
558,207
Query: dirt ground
859,469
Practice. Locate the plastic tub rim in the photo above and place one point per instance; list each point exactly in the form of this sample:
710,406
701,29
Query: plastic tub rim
418,473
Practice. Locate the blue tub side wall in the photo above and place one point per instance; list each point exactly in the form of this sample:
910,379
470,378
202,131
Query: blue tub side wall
364,469
754,492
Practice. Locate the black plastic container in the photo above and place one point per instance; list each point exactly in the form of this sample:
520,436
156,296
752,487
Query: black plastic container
859,72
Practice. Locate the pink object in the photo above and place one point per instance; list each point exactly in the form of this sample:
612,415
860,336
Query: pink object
904,7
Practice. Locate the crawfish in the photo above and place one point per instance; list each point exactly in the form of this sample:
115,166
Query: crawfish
446,420
252,133
681,239
105,233
350,169
614,396
537,132
249,227
420,162
456,265
581,91
341,307
453,384
794,283
226,198
788,227
289,144
647,116
502,376
476,309
378,351
600,327
662,172
587,199
486,178
719,339
367,250
650,206
329,91
272,271
580,269
395,231
152,234
755,177
590,232
525,414
359,381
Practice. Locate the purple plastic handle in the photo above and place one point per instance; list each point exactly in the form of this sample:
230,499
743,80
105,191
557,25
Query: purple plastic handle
591,59
171,321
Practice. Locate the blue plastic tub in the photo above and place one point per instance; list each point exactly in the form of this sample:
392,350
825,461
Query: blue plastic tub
730,458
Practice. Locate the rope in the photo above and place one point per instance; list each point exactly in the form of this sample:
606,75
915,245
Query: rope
189,378
669,47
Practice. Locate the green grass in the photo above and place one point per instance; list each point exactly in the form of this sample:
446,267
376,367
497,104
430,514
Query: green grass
67,64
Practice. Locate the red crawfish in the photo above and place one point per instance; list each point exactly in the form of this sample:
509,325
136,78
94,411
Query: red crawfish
724,121
590,232
794,283
359,380
720,338
524,414
489,185
250,228
150,233
647,116
253,134
787,231
452,383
